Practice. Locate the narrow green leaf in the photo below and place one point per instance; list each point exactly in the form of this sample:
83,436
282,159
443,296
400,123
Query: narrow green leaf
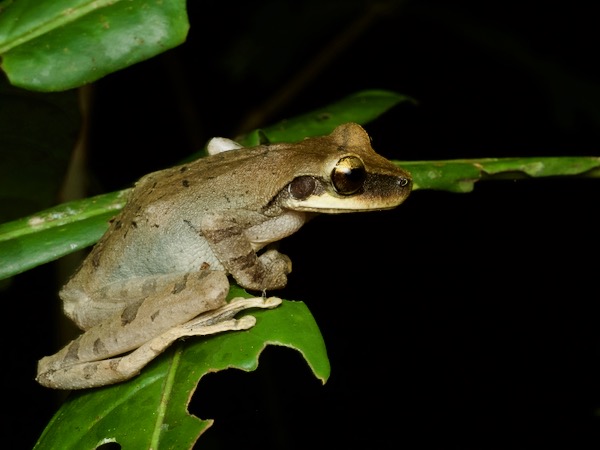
158,410
55,232
541,167
461,175
62,44
361,108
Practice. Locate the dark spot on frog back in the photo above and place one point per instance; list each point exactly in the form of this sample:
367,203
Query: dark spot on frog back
96,256
180,285
89,370
99,347
129,313
72,352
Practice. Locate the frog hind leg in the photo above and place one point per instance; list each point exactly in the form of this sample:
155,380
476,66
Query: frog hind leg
115,370
99,356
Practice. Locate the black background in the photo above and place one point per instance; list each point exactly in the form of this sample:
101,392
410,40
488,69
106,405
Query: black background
454,321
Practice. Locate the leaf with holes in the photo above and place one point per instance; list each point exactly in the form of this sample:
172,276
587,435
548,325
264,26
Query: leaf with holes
156,401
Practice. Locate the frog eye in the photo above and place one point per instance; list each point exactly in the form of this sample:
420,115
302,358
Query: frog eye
348,175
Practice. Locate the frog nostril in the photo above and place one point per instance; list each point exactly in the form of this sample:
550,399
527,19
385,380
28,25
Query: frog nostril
403,181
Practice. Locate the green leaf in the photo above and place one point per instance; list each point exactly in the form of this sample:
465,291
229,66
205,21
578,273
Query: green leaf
361,108
156,401
460,175
62,44
55,232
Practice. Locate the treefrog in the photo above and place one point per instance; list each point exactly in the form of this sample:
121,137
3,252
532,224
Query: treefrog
161,270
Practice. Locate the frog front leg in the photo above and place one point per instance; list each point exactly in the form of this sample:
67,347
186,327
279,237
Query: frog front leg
235,243
191,305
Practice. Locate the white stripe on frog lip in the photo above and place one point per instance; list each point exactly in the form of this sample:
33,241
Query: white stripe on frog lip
332,205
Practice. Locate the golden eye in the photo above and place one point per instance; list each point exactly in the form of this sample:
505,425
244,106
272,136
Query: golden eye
348,175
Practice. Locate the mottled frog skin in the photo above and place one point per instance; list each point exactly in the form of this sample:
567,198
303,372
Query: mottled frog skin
161,270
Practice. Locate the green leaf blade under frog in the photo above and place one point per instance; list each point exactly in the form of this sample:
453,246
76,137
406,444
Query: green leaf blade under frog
160,414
